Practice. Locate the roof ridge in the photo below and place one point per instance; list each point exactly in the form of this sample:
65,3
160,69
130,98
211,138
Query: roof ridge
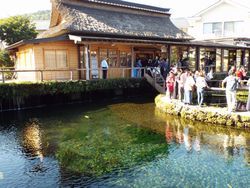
126,4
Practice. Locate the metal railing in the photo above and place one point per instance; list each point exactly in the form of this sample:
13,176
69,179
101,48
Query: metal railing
71,74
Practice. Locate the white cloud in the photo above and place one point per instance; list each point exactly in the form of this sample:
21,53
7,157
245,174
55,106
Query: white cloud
16,7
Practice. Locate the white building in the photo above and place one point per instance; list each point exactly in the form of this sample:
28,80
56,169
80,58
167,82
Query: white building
224,22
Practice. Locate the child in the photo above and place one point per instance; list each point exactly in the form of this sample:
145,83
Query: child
170,84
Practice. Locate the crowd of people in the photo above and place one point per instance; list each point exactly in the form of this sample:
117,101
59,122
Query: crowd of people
181,84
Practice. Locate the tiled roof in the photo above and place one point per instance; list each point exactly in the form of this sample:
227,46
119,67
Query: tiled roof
85,19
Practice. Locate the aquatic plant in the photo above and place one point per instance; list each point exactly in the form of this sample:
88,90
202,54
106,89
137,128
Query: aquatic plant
112,144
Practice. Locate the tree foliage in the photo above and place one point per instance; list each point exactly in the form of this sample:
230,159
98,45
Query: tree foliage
5,60
16,28
39,15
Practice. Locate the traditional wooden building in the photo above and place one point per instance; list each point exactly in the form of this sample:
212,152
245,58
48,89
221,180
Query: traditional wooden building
84,32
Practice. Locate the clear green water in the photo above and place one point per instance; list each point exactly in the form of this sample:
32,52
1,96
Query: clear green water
120,145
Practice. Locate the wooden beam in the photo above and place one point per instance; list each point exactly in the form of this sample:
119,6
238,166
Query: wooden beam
75,38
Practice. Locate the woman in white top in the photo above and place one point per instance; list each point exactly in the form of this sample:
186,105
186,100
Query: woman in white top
201,84
188,88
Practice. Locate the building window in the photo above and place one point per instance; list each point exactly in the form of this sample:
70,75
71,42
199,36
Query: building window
61,59
214,28
55,59
232,28
124,59
113,58
103,54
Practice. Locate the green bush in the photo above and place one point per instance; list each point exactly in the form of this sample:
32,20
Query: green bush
26,89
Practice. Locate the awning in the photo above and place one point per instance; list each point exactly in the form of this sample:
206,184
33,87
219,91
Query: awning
82,38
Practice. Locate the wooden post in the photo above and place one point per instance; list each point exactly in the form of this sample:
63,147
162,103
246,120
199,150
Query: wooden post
3,79
169,53
86,60
243,54
132,60
197,58
222,59
123,73
71,75
79,61
41,75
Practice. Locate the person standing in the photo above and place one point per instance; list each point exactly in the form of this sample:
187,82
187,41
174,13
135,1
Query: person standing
188,88
170,82
138,66
201,84
105,67
164,68
181,83
232,83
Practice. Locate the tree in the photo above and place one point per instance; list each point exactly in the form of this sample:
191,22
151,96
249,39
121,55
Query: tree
5,60
16,28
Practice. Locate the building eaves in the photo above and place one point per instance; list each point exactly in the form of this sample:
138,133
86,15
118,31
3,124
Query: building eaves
36,41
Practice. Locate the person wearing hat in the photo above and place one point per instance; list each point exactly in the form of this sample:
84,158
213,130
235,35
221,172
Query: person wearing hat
105,67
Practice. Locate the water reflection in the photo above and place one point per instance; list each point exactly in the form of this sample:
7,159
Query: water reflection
227,142
152,148
32,142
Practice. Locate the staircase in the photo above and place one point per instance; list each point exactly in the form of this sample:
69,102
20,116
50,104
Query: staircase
155,79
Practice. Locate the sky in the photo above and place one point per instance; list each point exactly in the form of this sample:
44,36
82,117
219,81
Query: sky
179,8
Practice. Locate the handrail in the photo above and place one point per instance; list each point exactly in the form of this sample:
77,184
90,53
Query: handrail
71,71
158,73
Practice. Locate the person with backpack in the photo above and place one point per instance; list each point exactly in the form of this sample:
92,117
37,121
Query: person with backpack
232,84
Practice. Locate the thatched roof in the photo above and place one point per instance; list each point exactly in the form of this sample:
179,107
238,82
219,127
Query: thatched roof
113,17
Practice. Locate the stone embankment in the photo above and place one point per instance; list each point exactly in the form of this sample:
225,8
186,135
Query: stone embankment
214,115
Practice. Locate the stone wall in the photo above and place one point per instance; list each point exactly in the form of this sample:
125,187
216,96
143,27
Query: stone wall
214,115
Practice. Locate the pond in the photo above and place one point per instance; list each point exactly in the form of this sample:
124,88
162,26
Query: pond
125,144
